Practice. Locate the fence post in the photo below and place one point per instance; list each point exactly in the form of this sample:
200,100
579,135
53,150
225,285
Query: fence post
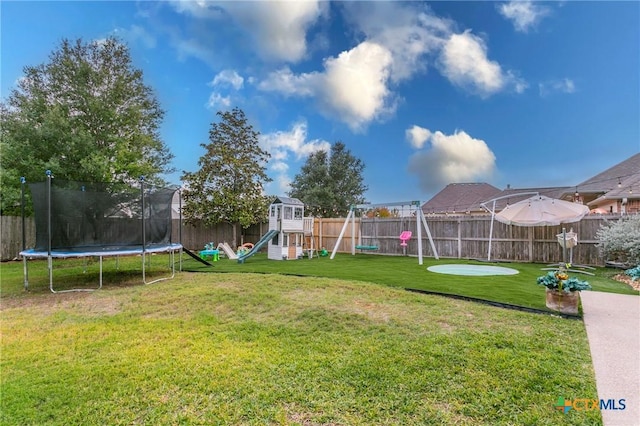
459,239
530,237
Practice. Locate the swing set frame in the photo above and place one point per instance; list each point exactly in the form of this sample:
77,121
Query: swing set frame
421,222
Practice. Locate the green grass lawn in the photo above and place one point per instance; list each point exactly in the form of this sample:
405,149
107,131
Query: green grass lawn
271,349
394,271
298,342
520,289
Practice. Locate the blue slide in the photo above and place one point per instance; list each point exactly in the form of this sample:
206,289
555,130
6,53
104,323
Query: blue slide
264,240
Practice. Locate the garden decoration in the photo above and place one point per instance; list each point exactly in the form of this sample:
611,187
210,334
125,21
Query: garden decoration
562,291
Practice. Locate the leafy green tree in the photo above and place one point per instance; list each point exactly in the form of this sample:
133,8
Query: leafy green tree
229,185
87,115
329,183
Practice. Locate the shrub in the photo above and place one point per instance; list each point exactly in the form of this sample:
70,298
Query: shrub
620,241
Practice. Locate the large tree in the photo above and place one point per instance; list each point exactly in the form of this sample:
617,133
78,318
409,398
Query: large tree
330,182
229,185
87,115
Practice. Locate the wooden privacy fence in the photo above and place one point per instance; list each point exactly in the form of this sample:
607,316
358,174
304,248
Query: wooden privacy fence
460,237
468,237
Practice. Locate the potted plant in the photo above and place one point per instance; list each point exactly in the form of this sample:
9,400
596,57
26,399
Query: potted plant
634,273
562,291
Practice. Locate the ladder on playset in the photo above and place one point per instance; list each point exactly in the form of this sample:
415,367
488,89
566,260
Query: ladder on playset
309,240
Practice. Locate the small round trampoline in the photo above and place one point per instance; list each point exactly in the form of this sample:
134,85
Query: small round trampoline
473,270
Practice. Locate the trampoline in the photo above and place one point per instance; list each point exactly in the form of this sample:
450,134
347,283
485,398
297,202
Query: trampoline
472,270
80,220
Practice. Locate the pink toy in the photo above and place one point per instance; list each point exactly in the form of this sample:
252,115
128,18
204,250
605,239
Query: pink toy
404,237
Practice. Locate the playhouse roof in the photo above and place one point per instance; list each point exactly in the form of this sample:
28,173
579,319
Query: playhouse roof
287,200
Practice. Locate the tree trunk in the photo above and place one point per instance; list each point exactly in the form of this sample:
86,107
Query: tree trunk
234,226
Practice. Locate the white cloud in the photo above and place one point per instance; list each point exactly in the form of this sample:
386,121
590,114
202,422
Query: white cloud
277,28
417,136
284,184
225,78
355,84
523,14
415,36
217,101
465,63
287,83
352,87
564,85
279,166
192,47
452,158
409,31
228,78
282,144
396,41
136,33
197,8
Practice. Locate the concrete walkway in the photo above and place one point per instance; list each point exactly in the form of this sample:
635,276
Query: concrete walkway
613,329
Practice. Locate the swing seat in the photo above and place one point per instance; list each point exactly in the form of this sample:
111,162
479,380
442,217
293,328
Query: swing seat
406,235
361,247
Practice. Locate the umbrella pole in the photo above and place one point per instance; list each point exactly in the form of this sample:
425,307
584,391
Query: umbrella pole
564,246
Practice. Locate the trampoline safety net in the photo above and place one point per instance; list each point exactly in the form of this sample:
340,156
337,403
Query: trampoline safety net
100,216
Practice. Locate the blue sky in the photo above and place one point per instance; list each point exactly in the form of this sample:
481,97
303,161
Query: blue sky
425,93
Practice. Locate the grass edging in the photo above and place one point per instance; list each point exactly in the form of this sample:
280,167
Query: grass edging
496,304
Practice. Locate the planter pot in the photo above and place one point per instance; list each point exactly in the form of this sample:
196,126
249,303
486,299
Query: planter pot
559,301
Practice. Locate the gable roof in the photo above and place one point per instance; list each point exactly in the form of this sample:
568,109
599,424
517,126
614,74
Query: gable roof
629,189
625,173
460,198
511,195
287,200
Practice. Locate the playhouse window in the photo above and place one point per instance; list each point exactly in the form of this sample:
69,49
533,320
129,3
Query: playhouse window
297,213
287,213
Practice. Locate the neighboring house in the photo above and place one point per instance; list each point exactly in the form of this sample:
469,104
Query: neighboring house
615,190
467,198
513,195
460,198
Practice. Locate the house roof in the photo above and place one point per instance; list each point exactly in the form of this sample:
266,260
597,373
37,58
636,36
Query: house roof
287,200
626,173
460,197
629,188
464,197
511,195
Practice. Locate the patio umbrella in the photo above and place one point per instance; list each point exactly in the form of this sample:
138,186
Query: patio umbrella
542,211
